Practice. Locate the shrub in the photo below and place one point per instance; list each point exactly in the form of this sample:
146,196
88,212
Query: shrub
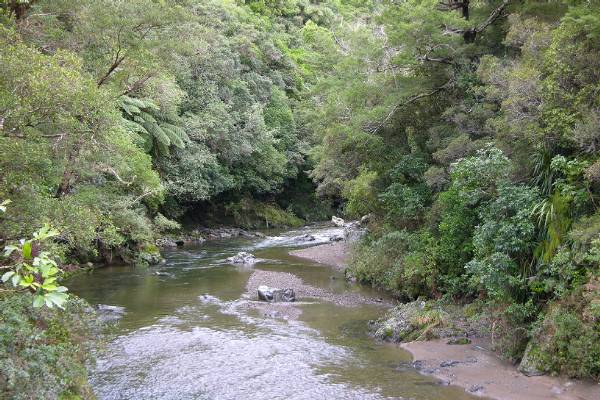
399,261
566,340
164,224
43,351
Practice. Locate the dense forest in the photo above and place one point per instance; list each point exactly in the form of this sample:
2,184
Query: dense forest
469,131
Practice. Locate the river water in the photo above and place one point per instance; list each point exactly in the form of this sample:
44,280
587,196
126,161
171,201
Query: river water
191,335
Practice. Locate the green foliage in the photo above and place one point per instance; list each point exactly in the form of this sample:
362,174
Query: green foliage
407,196
470,133
163,224
361,195
36,271
82,168
476,178
43,351
156,128
399,261
565,339
503,242
479,137
249,213
456,226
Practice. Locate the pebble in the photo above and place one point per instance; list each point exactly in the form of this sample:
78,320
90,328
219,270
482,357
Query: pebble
449,363
475,388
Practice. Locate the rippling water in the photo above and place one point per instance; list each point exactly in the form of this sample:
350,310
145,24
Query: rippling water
192,335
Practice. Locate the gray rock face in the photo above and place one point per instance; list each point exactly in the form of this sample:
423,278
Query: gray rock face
243,258
336,238
274,295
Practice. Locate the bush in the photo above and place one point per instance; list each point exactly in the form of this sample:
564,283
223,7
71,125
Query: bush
566,340
164,224
361,194
399,261
43,351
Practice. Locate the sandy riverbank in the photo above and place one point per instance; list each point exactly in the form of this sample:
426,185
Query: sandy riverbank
482,373
478,371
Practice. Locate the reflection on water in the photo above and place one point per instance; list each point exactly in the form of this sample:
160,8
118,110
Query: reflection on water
191,335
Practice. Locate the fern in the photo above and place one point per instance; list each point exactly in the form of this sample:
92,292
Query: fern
176,134
157,131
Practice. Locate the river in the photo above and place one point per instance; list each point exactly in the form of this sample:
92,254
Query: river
192,332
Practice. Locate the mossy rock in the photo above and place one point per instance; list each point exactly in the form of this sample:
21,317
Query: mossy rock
530,363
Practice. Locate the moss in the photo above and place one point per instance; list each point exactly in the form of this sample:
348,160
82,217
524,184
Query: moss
249,214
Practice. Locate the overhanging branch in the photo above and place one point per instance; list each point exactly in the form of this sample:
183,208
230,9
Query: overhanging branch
471,33
378,126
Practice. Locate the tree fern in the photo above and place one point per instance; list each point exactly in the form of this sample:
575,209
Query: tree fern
157,131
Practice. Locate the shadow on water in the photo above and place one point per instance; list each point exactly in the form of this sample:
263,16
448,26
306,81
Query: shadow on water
188,333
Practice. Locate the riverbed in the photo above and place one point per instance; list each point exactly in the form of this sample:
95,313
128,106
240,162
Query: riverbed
192,328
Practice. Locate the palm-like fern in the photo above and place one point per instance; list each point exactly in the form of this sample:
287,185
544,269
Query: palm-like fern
157,131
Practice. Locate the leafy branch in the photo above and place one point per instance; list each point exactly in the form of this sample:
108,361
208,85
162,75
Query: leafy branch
34,271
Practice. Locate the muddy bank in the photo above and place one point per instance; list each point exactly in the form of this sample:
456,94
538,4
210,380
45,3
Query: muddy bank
481,372
334,254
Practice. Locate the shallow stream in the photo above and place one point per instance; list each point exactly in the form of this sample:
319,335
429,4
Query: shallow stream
188,333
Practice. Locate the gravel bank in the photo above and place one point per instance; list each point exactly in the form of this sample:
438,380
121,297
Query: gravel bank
303,291
334,254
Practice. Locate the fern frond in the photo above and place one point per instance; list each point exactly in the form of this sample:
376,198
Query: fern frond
157,133
176,134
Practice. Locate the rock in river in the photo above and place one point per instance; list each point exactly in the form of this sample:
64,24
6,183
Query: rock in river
337,221
107,313
336,238
243,258
274,295
166,242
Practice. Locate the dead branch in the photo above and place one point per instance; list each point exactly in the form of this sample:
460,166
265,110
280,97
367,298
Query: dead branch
118,59
114,173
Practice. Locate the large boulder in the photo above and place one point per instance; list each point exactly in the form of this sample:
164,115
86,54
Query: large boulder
166,242
243,258
528,366
274,295
365,219
337,221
